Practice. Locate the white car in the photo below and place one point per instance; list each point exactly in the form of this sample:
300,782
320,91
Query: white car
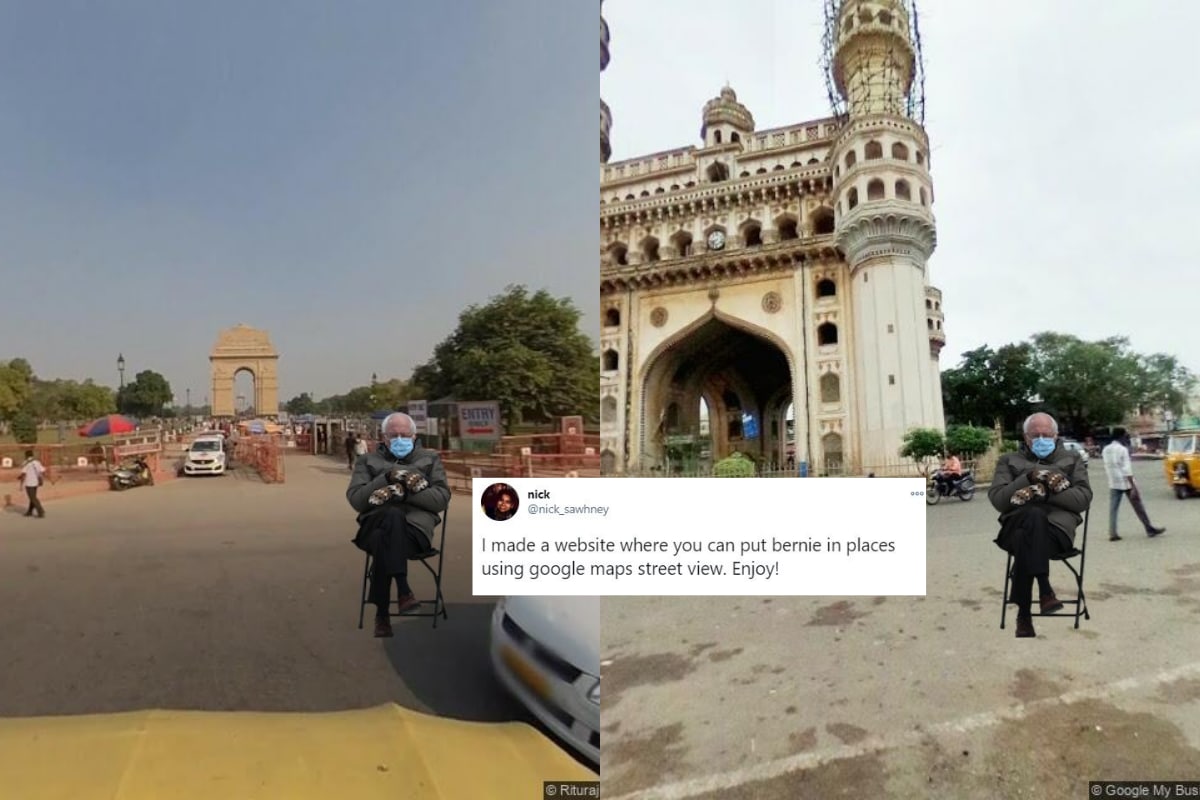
205,456
546,652
1071,444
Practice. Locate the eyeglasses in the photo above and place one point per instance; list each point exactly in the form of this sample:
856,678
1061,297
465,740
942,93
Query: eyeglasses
391,436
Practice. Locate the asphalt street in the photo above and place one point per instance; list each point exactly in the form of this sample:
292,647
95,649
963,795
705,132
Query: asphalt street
821,697
223,593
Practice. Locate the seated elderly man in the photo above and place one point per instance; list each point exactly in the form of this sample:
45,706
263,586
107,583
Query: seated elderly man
1041,492
398,491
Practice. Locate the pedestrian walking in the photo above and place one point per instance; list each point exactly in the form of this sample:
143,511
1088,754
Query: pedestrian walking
1119,468
32,476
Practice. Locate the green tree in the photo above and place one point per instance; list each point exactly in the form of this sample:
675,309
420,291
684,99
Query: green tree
44,401
24,428
89,400
69,400
1086,384
524,351
301,404
968,441
921,445
990,385
1163,383
394,393
16,384
146,395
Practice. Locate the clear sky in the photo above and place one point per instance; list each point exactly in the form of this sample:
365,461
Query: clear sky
348,176
1065,146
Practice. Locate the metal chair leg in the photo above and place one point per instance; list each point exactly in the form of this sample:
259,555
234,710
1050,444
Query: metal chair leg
362,606
439,600
1004,599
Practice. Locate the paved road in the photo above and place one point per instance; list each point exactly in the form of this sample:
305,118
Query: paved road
227,594
917,697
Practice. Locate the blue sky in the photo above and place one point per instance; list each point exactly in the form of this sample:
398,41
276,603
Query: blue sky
348,176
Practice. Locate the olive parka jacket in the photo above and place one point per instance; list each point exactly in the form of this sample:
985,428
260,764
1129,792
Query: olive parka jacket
1066,507
424,507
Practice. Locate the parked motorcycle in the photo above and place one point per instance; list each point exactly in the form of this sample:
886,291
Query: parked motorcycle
124,477
963,487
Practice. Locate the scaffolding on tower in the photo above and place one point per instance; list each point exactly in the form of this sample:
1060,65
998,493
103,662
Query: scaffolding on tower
911,98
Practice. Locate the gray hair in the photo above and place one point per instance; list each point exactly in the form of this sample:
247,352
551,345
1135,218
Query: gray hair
1029,419
401,417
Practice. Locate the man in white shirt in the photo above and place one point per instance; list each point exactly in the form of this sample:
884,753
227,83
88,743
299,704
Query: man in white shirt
31,478
1120,483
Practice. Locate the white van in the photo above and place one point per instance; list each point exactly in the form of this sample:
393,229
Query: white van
205,456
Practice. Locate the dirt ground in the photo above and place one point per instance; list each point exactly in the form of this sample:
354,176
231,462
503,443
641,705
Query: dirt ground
823,697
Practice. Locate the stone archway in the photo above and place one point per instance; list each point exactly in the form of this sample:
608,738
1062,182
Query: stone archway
244,348
741,373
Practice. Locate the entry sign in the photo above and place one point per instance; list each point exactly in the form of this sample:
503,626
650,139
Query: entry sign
479,420
418,410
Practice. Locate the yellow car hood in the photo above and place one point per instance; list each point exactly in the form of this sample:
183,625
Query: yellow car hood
383,752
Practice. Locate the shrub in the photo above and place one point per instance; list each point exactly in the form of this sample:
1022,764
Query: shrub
922,444
735,466
24,428
968,441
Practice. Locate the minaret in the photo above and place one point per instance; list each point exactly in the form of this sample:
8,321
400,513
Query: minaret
725,120
605,114
886,229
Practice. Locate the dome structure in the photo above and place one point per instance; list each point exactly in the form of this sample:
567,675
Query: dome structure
724,116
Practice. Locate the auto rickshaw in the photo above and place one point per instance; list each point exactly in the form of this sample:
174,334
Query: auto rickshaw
1182,464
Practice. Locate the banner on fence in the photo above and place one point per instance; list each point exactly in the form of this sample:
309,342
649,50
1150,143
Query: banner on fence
419,411
479,420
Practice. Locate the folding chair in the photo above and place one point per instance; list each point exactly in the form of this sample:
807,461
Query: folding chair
1080,602
438,602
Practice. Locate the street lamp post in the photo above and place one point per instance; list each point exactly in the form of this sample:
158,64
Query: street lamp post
121,373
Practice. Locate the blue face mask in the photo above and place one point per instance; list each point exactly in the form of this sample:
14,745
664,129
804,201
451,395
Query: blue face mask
1042,446
401,447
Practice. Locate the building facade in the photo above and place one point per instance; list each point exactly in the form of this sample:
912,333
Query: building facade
767,291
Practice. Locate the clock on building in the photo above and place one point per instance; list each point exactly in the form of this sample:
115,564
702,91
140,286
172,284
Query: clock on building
716,240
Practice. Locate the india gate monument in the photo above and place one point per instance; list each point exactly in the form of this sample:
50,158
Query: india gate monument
767,291
244,349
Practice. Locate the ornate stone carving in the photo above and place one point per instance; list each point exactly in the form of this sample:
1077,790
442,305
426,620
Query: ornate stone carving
658,317
886,228
772,302
714,292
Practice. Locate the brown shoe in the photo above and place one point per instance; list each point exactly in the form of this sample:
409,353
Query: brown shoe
408,602
1025,627
1049,603
383,628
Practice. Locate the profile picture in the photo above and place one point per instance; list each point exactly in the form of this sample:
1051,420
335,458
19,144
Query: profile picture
500,501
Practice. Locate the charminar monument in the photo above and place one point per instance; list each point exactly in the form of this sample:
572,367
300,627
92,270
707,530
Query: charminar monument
768,291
